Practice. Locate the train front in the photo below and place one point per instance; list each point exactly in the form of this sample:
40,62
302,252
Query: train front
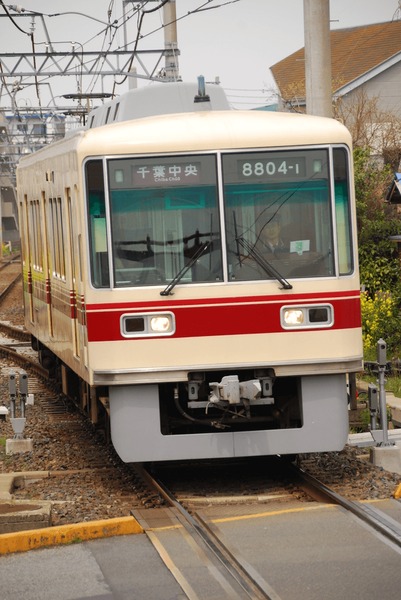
227,316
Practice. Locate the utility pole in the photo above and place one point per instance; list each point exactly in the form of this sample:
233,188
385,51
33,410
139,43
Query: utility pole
171,52
170,41
318,58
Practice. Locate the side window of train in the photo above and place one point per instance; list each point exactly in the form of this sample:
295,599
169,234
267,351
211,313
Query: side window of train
343,217
57,238
36,236
96,208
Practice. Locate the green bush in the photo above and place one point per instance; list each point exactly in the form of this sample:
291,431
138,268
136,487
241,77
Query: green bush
378,256
380,269
380,319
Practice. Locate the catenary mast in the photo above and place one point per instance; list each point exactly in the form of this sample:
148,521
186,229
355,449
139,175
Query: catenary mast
317,58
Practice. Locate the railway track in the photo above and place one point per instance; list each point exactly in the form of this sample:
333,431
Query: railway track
23,361
234,577
371,516
10,276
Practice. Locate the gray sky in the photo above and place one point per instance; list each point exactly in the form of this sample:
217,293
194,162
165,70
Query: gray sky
235,40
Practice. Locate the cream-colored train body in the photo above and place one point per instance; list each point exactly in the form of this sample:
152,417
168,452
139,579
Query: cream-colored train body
192,276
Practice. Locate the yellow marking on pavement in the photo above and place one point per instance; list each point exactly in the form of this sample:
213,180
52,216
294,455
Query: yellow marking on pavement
22,541
271,513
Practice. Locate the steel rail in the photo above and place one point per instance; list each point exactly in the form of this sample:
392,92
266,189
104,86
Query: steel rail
371,516
24,361
6,263
8,289
15,332
253,589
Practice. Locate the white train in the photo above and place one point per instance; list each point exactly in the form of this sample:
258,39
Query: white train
190,272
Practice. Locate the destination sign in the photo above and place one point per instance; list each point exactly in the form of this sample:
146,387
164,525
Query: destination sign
178,173
163,171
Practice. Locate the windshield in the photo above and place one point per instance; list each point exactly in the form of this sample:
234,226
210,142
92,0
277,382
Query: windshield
160,217
278,207
164,212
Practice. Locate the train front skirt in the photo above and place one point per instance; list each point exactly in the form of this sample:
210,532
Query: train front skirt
137,434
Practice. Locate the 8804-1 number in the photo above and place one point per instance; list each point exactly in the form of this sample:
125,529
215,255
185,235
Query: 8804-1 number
270,168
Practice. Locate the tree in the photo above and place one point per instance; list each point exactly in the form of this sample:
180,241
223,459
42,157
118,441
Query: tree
370,125
376,136
378,258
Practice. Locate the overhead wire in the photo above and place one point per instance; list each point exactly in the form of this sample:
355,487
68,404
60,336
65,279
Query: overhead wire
200,8
138,10
142,15
95,78
109,27
101,53
248,93
103,31
203,7
31,36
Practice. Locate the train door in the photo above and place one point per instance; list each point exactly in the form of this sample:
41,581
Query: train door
48,270
27,254
76,291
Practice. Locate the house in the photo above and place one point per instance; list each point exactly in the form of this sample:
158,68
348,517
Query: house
364,58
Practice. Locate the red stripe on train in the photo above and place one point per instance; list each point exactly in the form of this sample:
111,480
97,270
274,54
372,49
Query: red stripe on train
232,318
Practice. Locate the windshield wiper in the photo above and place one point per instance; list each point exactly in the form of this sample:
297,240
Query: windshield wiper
185,268
263,263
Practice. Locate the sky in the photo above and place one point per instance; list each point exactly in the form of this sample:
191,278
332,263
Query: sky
235,40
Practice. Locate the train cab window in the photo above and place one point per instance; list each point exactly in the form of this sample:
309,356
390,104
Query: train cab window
278,214
99,259
342,204
164,220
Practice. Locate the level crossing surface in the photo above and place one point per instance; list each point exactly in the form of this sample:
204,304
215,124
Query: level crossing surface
314,552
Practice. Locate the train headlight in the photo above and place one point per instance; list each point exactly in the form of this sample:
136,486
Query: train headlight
309,316
293,316
147,324
161,324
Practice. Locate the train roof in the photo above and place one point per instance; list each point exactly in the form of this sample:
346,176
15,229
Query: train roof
200,125
160,98
210,130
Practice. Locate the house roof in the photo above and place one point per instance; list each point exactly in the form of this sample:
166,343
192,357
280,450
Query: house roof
356,52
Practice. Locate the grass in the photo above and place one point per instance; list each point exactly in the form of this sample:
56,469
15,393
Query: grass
392,382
